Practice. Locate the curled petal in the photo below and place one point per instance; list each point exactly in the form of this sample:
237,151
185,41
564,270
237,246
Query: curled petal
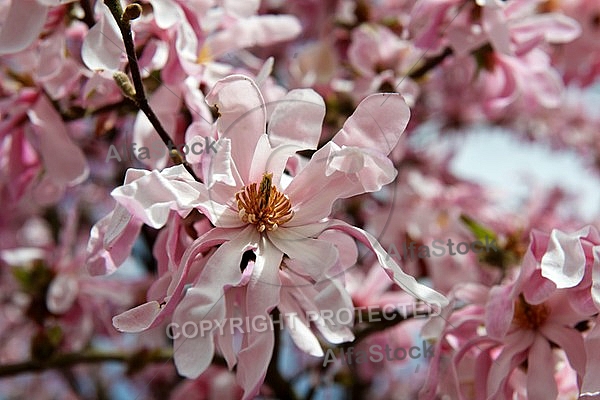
402,279
377,123
564,261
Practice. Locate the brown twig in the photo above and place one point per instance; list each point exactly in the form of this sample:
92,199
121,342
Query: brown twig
67,360
140,94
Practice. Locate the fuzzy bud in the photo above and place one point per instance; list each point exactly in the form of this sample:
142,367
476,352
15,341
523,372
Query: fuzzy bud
124,84
132,11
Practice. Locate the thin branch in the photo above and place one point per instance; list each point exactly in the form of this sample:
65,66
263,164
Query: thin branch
140,94
394,318
430,64
91,357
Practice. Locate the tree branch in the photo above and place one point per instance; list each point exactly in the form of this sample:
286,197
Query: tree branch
140,94
430,64
67,360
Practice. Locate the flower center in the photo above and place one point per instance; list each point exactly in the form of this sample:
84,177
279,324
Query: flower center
528,316
264,205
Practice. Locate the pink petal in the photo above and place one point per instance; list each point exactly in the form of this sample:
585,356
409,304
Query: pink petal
570,341
513,354
165,102
554,27
152,196
257,30
332,295
243,9
307,302
377,123
62,293
595,292
64,162
334,173
402,279
22,25
194,353
538,288
501,86
564,261
547,87
315,256
494,23
175,291
499,311
103,45
137,319
221,167
582,301
242,118
371,169
166,13
204,302
111,241
347,250
297,119
304,338
591,384
540,372
262,297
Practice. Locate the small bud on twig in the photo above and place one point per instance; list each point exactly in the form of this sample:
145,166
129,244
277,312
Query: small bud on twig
124,84
132,11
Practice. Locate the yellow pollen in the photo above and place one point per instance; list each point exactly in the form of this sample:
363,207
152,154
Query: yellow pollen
205,55
263,205
528,316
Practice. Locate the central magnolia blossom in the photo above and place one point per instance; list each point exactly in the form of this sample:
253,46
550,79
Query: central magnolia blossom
263,205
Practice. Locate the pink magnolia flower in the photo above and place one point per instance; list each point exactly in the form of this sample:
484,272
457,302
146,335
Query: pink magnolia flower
572,260
527,320
381,57
256,206
523,319
192,36
35,142
511,28
579,59
527,329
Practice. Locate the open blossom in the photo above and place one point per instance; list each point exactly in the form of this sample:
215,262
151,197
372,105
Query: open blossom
256,206
572,261
515,325
187,38
32,134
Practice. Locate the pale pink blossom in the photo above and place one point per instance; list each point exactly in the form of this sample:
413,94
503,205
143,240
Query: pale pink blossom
572,260
35,138
249,164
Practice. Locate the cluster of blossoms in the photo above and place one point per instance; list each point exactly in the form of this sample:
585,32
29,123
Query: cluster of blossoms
267,264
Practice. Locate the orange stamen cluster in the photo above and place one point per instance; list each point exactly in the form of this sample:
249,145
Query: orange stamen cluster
263,206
